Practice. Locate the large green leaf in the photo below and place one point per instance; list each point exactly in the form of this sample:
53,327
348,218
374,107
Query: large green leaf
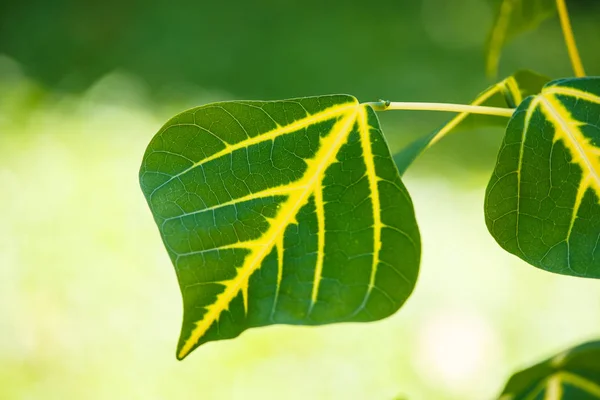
288,212
573,374
507,93
542,202
513,18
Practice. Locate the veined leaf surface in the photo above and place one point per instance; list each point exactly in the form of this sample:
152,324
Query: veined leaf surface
513,18
573,374
507,93
287,212
542,202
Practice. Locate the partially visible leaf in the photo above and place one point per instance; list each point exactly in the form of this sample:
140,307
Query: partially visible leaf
280,212
573,374
506,93
513,18
542,202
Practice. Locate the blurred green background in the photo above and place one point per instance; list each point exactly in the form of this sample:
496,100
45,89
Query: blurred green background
89,303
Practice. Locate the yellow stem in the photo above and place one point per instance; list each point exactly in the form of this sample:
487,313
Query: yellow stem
569,38
459,108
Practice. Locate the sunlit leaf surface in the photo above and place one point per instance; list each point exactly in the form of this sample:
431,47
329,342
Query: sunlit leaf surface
513,18
507,93
573,374
286,212
542,202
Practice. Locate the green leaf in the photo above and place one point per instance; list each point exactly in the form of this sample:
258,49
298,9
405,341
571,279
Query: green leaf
506,93
513,18
573,374
280,212
542,200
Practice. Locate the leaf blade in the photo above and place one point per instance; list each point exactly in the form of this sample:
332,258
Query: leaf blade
542,200
312,218
574,373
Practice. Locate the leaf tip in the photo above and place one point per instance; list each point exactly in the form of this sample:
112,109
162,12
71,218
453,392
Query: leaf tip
181,354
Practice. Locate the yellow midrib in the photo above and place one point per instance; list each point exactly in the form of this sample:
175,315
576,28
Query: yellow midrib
365,139
282,190
552,385
280,250
526,124
572,92
583,152
579,381
553,388
328,148
320,212
311,119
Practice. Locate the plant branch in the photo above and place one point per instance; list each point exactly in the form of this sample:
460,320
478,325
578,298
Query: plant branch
565,23
459,108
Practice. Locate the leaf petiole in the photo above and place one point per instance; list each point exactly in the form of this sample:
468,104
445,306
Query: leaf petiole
449,107
565,23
